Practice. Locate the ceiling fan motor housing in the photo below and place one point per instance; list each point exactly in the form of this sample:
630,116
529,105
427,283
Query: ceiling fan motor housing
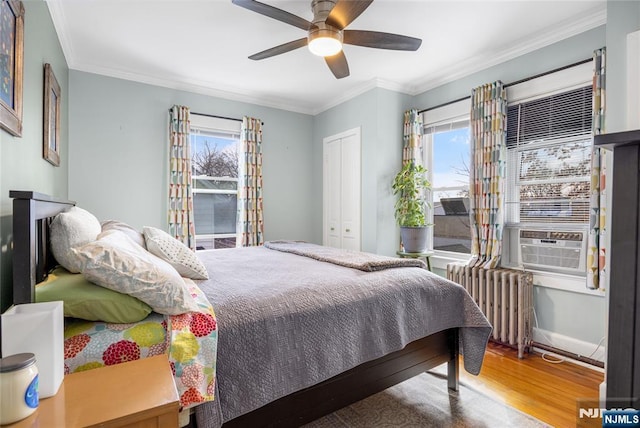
320,29
321,9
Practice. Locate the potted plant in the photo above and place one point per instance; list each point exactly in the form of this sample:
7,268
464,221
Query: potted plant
410,184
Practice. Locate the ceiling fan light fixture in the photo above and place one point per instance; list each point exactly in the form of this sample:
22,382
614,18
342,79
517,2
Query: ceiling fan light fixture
325,46
325,42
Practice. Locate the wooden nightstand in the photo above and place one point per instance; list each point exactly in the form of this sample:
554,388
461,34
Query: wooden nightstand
139,393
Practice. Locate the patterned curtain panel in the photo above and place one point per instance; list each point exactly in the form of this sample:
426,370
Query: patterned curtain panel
596,251
412,137
250,228
487,175
181,224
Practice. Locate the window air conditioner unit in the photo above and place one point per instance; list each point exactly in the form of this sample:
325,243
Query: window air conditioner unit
551,250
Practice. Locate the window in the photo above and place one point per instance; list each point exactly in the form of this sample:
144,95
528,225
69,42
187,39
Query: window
549,159
548,175
214,160
446,142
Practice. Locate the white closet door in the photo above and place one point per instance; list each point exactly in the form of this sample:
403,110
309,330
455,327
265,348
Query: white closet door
332,201
350,189
341,194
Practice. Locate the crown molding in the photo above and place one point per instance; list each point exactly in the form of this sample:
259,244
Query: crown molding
393,86
60,24
198,87
549,36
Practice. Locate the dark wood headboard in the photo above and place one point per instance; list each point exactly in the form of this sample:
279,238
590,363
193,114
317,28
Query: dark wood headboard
32,259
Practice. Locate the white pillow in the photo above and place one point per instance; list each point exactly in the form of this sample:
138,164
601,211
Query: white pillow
118,263
124,227
69,229
174,252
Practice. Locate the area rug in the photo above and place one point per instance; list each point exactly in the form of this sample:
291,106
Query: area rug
424,401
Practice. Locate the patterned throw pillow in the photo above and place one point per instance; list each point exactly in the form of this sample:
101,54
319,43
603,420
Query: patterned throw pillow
71,228
118,263
175,253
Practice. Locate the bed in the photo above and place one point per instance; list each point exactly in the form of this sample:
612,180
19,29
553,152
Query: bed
281,360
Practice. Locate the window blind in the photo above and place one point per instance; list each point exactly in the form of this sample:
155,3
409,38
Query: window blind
557,116
227,135
445,127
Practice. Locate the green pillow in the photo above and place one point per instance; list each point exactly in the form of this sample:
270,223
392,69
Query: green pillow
86,300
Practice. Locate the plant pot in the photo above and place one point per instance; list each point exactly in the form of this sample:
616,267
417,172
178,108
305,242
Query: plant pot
414,239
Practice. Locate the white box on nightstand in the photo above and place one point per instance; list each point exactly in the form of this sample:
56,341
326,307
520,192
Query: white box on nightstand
37,328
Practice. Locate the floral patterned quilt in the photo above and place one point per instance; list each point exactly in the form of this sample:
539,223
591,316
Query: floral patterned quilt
190,340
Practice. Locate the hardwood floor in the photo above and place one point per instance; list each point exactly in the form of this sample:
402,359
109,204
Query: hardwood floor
546,391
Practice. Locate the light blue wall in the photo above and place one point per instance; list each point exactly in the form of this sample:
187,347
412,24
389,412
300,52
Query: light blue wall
21,164
23,167
119,153
378,113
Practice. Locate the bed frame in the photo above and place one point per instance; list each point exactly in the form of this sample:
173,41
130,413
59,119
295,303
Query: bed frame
32,215
32,260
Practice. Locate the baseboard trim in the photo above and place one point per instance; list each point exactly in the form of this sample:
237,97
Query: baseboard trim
569,344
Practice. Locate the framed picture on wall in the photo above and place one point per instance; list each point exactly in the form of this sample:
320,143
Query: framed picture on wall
51,141
11,63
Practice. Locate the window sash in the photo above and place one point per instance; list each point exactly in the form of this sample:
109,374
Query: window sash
222,129
451,238
572,208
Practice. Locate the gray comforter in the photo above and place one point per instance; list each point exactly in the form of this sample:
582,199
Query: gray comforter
287,322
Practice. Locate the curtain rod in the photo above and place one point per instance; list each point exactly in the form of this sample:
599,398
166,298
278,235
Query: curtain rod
219,117
526,79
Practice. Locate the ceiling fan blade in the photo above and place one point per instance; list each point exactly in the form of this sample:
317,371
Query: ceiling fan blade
346,11
284,48
375,39
338,65
275,13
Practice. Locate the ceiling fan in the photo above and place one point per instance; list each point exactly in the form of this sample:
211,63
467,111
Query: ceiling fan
326,33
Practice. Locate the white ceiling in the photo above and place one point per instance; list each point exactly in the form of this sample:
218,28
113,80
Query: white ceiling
202,46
